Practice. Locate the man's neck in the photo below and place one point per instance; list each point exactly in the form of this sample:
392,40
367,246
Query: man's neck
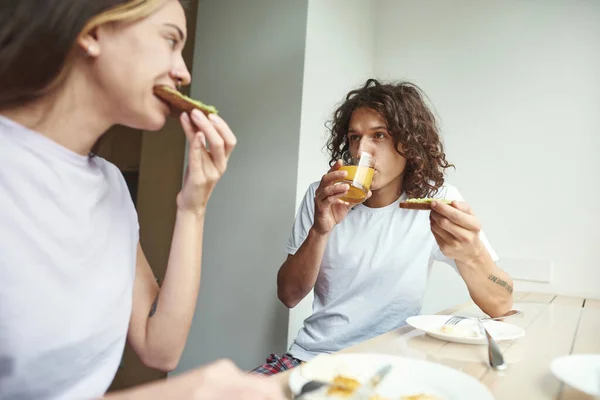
386,195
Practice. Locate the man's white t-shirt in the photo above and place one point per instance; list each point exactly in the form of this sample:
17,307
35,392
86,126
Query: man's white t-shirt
68,237
373,274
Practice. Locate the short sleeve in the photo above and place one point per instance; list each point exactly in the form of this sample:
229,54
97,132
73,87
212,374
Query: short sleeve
119,183
304,220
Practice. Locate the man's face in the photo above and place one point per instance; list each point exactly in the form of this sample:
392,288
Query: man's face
368,132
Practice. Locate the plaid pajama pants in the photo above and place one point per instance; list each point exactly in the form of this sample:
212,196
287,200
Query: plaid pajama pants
276,364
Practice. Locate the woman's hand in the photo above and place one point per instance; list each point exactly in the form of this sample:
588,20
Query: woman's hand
210,144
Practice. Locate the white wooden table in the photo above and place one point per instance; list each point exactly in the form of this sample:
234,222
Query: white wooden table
555,326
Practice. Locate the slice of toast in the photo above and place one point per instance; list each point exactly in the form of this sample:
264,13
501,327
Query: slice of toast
181,102
421,204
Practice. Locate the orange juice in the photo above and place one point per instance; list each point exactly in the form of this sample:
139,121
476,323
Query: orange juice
359,178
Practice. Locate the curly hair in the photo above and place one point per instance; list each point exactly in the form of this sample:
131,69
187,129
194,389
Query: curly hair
411,124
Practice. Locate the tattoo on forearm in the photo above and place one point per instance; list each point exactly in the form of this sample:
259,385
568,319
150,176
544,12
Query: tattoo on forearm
500,282
153,308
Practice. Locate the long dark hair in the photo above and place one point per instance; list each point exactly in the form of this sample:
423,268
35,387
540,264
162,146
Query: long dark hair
411,124
38,37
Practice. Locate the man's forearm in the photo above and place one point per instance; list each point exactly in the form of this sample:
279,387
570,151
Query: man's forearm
297,276
171,315
489,286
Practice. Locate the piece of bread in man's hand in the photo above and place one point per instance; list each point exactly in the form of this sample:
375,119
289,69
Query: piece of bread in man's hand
180,102
421,204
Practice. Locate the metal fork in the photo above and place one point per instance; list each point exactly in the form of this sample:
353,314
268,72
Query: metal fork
310,387
457,318
454,320
496,359
314,385
362,392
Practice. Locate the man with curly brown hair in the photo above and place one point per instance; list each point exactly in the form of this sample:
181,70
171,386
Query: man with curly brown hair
369,263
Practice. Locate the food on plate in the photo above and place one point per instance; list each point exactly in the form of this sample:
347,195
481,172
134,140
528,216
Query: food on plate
181,102
421,204
344,387
462,331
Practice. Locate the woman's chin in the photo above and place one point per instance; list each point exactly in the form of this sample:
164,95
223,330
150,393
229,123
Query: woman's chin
151,123
156,126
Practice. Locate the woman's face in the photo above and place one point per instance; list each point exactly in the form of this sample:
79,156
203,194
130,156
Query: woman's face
134,57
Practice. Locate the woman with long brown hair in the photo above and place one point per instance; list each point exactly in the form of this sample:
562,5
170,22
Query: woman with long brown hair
74,282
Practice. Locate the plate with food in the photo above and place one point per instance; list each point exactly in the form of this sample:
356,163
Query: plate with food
421,204
181,103
407,379
466,331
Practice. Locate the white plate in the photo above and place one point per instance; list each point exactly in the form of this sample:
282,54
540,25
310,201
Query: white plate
466,331
407,377
582,371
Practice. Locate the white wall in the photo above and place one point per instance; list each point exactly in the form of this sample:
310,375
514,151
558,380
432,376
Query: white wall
510,82
339,56
513,82
249,62
517,87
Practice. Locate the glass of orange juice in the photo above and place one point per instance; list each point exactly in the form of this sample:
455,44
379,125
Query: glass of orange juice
360,174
